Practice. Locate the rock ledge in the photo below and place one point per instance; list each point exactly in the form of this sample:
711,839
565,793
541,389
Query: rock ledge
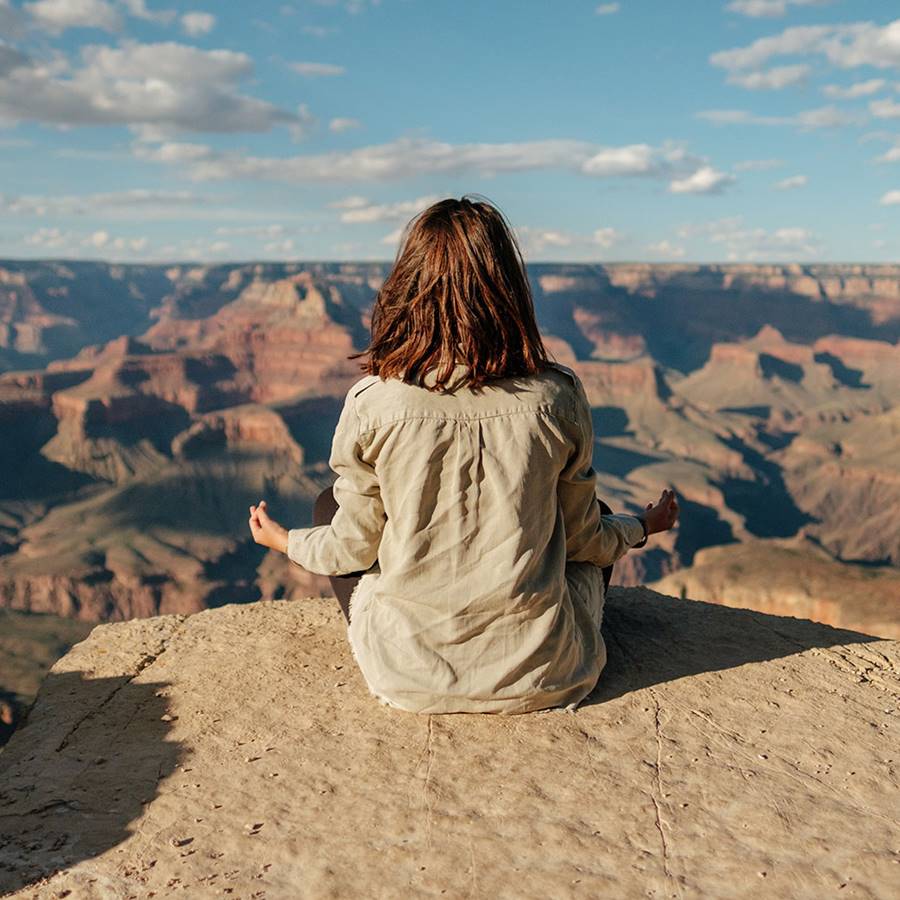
236,752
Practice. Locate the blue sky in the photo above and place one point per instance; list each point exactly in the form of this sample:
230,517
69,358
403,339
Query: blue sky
710,130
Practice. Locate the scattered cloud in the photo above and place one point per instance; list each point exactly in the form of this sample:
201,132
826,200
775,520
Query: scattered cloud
385,212
138,9
891,155
340,125
316,69
667,249
884,109
747,244
198,23
706,180
408,157
73,244
606,237
393,238
607,9
769,8
846,46
791,183
55,16
202,249
891,198
110,203
851,91
774,79
806,120
535,242
354,202
166,85
283,248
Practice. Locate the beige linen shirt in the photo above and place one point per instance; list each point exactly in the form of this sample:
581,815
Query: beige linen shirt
475,516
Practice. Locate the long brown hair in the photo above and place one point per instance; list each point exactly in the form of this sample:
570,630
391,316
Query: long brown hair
457,293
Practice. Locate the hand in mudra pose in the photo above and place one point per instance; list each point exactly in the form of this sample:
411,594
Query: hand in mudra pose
662,515
266,530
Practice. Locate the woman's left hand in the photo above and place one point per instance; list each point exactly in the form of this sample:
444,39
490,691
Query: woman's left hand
266,530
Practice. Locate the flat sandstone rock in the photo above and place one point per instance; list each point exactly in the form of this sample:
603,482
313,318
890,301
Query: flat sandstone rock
237,752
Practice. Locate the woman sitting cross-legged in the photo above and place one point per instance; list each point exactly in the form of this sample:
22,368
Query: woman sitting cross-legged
463,534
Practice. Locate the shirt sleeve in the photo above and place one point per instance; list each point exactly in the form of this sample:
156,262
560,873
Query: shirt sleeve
591,536
349,543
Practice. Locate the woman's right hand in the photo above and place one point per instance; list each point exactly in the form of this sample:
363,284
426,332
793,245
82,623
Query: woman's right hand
662,515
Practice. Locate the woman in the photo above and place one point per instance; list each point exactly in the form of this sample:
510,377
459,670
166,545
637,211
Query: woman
464,508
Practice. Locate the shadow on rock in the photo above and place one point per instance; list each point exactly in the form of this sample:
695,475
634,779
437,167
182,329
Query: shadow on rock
94,781
652,639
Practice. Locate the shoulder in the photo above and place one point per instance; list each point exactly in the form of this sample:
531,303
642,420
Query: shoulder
571,393
361,385
568,374
370,396
566,379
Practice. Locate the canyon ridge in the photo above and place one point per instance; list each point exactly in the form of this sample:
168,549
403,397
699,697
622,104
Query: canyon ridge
143,408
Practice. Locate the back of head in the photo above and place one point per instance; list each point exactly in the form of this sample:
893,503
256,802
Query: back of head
457,293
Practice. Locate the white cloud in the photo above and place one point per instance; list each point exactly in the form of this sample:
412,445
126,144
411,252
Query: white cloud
56,16
634,159
891,198
109,203
845,46
753,244
281,248
354,202
746,244
551,238
606,237
342,124
48,238
774,79
891,155
393,238
885,109
386,212
607,9
536,242
138,9
757,165
806,120
769,8
857,89
316,69
166,85
200,249
706,180
99,239
198,23
667,249
790,183
76,245
408,157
